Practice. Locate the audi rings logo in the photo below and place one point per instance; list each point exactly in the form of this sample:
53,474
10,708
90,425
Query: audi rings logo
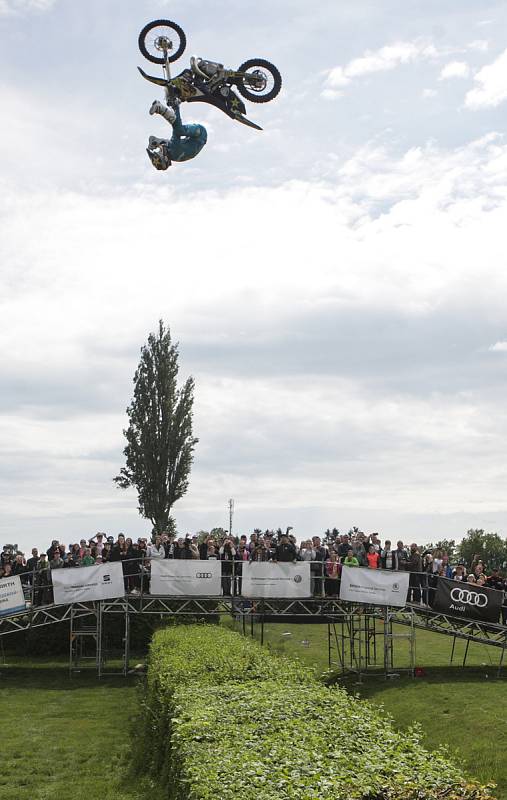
297,578
469,598
203,575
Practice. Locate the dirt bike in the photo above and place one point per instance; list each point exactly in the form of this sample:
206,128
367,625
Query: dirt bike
163,42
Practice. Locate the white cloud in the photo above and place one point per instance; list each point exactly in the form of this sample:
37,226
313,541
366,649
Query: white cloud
491,88
382,60
499,347
480,45
331,94
411,237
428,93
12,7
455,69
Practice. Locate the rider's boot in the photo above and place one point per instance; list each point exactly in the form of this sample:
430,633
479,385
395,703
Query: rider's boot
164,111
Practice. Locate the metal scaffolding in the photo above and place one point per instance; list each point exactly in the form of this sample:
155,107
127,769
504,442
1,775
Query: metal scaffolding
362,642
361,639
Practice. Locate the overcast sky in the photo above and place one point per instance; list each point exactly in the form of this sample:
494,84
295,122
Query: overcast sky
337,282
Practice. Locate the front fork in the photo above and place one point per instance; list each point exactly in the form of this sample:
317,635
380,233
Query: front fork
167,74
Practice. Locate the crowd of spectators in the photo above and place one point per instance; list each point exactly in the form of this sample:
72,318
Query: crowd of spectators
327,558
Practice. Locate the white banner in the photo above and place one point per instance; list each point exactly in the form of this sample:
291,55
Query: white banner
82,584
12,598
187,577
374,586
281,579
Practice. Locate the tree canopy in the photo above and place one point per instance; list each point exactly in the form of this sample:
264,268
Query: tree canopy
160,441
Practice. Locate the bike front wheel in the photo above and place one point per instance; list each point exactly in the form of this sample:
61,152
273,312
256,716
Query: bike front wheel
160,37
261,81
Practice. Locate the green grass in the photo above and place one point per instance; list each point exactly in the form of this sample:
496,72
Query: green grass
464,709
64,738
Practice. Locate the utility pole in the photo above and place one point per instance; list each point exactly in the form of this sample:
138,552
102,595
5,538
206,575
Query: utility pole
231,513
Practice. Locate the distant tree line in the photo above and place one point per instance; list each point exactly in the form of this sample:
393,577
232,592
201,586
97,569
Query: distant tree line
476,545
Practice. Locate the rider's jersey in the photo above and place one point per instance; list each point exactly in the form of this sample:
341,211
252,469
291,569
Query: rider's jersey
187,140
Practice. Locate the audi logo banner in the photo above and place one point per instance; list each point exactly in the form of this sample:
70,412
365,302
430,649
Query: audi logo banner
468,600
187,577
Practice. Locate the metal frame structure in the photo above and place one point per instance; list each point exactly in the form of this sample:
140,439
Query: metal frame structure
357,649
353,629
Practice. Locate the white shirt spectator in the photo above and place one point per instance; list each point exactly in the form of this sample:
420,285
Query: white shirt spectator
152,551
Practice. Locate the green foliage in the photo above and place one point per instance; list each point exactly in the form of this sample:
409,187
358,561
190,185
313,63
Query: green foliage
445,545
490,547
218,533
228,719
160,444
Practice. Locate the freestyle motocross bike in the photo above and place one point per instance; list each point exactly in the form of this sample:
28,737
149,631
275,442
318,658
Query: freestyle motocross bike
163,42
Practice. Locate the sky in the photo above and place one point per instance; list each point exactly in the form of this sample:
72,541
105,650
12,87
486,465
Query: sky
336,282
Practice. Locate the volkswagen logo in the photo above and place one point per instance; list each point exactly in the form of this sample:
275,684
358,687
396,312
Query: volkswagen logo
396,587
469,598
297,578
203,575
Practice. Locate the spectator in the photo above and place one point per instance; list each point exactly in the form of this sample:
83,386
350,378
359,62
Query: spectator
156,550
52,548
19,567
387,556
307,551
350,559
106,552
57,561
400,556
333,569
317,566
413,564
343,546
446,566
211,553
458,573
372,557
43,593
6,570
32,561
285,550
179,548
189,549
87,560
119,549
227,554
495,581
260,552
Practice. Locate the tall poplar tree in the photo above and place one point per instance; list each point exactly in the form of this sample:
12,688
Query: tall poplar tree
160,444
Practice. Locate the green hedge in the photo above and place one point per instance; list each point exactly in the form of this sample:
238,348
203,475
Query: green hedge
227,720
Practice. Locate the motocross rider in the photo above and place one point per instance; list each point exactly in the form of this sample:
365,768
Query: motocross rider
185,143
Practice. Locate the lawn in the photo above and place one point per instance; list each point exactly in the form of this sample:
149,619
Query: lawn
64,738
464,709
69,738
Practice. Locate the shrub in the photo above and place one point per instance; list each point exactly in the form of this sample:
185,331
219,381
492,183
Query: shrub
230,721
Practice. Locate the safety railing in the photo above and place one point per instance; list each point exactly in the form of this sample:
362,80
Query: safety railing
37,584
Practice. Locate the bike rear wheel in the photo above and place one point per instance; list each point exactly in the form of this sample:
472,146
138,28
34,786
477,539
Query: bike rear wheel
262,82
160,33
